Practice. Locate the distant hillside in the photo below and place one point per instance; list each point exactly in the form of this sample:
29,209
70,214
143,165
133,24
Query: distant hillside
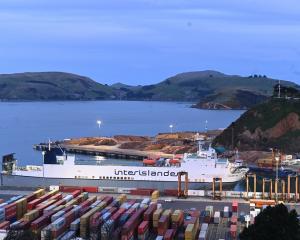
273,124
51,86
209,89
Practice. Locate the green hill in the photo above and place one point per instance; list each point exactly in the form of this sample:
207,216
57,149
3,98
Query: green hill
51,86
273,124
210,89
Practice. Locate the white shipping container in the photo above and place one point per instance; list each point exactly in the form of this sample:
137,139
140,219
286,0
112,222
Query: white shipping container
217,217
202,235
204,226
53,187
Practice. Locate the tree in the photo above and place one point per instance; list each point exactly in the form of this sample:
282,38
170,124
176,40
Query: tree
273,223
20,235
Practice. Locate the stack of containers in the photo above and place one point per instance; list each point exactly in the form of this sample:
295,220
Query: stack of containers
4,225
169,235
107,229
234,206
21,207
190,232
58,227
46,233
11,212
68,236
156,217
143,230
177,219
129,230
155,196
148,215
217,217
233,231
31,215
85,219
203,231
164,222
2,214
226,212
208,214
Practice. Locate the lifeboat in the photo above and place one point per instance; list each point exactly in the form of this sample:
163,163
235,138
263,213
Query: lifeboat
174,161
148,161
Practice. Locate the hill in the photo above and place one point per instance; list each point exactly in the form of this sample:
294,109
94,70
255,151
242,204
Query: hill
34,86
273,124
211,89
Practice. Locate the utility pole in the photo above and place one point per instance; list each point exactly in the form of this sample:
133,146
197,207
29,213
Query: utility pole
279,89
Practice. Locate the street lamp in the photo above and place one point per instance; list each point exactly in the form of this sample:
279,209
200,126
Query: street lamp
43,153
171,128
99,125
276,194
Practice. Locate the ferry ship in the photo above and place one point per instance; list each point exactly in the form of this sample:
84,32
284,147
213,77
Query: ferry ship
72,170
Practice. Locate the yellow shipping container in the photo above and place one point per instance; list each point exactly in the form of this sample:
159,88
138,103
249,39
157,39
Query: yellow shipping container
189,233
167,212
58,208
155,195
157,214
72,202
176,215
33,214
122,198
40,192
85,219
53,192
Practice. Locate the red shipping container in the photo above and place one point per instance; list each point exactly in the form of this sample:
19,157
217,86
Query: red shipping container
171,192
169,235
31,205
163,225
234,219
41,222
76,193
143,227
70,217
132,223
30,197
235,206
69,189
4,225
233,229
59,232
56,197
60,202
148,215
90,189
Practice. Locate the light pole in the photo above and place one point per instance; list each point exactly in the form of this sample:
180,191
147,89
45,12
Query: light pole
171,128
99,125
276,188
43,153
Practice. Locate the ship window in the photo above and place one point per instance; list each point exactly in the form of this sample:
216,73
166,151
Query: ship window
118,178
107,177
99,177
125,178
114,177
121,178
93,176
110,177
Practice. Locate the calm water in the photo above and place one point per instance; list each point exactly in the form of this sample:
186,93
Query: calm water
24,124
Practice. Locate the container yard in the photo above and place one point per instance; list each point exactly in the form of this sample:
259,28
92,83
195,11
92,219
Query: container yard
74,213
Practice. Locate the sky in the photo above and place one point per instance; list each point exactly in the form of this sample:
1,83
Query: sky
146,41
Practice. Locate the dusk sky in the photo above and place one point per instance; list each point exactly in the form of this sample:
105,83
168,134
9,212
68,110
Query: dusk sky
146,41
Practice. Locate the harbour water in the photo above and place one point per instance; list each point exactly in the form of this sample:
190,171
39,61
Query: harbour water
23,124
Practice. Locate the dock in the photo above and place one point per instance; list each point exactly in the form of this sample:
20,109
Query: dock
104,151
